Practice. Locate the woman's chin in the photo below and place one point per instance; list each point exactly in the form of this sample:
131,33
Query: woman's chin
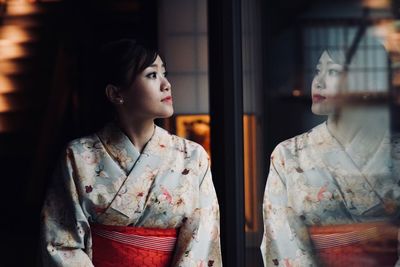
320,109
166,114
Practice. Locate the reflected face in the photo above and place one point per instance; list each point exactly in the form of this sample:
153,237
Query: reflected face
149,96
326,85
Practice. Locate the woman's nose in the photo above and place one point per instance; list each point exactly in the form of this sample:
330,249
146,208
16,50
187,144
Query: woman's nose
320,81
165,85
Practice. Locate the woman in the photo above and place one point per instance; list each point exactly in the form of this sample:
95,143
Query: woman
331,193
132,194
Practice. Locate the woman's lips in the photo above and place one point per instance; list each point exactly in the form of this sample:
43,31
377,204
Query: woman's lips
318,98
167,99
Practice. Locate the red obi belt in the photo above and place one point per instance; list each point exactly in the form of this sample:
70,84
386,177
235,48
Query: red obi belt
356,245
132,246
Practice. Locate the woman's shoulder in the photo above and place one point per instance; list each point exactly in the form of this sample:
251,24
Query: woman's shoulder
189,147
88,141
301,142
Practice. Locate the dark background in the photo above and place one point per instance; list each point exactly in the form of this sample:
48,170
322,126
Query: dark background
56,100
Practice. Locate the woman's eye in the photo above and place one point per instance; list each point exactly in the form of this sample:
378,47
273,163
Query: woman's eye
334,72
165,74
317,72
152,75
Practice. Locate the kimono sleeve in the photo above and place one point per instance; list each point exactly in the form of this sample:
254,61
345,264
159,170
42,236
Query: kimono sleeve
65,233
199,240
285,240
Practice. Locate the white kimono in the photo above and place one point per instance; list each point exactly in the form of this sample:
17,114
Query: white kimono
103,179
313,180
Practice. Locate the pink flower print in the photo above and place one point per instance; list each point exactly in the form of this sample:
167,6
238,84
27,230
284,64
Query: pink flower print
122,157
323,193
167,195
287,263
162,145
99,210
89,157
88,189
201,264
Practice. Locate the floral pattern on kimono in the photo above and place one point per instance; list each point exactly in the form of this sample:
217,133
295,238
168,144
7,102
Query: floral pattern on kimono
313,180
103,179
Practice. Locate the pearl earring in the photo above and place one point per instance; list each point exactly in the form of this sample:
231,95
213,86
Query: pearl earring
121,101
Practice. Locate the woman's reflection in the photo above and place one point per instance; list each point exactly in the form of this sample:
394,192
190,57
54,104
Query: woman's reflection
331,196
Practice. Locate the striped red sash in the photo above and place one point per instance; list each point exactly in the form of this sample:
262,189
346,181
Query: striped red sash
132,246
325,241
356,245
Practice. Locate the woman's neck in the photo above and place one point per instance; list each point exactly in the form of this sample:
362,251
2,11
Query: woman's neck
371,122
139,131
341,129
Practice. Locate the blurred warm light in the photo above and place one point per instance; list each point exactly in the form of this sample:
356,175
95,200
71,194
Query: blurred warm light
195,128
9,67
14,34
389,32
12,51
4,104
6,86
393,43
376,3
296,92
396,79
250,173
18,8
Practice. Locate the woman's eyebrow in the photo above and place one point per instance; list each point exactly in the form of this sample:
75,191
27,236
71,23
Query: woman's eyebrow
155,66
330,62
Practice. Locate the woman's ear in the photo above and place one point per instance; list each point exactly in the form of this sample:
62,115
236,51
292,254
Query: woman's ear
113,94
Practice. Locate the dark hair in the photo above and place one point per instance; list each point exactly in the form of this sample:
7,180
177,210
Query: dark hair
117,63
121,61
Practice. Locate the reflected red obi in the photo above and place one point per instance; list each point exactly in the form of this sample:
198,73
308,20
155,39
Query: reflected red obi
356,245
132,246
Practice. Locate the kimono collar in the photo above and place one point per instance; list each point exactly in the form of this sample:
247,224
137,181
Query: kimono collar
364,145
123,151
347,169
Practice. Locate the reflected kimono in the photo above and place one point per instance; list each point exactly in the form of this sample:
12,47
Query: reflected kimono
314,181
102,179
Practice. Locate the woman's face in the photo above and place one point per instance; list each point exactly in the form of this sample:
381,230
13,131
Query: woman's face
149,96
326,85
